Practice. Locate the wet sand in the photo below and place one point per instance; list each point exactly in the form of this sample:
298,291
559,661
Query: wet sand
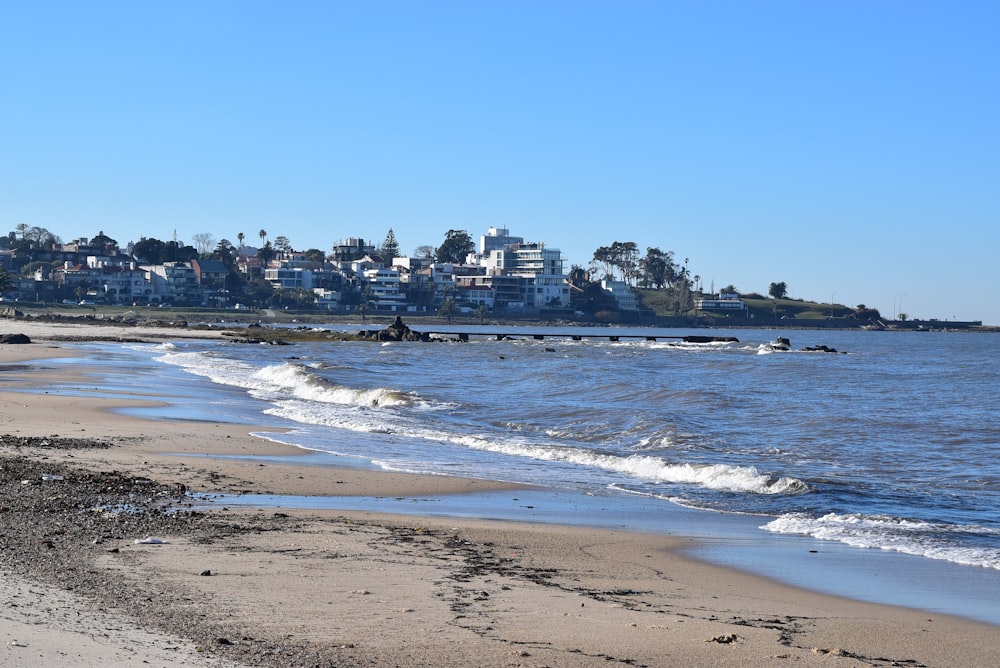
238,586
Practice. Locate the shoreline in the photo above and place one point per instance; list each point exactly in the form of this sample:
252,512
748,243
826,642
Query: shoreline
434,589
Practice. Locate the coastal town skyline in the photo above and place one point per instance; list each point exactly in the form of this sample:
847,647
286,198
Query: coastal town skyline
847,151
246,255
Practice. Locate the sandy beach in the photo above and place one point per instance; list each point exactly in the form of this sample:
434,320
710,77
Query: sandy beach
96,571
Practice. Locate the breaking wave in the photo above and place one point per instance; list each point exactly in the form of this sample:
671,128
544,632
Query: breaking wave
948,542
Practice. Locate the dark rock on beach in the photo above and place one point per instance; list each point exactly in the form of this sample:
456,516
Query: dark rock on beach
14,338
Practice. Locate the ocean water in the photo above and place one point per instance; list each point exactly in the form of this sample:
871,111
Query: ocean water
891,445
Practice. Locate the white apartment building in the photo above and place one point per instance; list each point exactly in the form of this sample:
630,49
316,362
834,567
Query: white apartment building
383,287
515,276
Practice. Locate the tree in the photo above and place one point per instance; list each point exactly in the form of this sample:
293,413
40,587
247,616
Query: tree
390,247
302,298
778,290
39,237
316,257
620,255
258,291
424,252
447,309
682,291
204,242
240,237
283,246
105,242
45,267
6,281
657,268
604,260
266,254
263,235
481,312
862,312
627,257
225,253
456,247
154,251
578,276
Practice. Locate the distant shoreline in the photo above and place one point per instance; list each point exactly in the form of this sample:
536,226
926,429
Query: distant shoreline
182,320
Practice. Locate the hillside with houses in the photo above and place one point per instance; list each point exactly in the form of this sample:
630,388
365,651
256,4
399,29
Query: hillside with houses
502,276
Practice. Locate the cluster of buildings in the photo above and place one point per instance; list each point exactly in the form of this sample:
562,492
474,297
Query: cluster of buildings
505,274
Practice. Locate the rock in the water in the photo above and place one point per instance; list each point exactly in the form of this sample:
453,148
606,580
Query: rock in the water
397,331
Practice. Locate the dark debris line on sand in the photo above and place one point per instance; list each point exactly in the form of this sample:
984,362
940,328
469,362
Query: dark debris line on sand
56,520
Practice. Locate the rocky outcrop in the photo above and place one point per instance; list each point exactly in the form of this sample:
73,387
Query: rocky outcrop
15,338
819,349
397,331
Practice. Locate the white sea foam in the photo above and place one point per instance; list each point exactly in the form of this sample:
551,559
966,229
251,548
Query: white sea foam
271,382
306,385
925,539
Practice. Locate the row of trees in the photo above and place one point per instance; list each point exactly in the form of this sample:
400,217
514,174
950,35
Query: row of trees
655,270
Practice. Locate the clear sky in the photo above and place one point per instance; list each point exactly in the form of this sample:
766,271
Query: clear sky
850,149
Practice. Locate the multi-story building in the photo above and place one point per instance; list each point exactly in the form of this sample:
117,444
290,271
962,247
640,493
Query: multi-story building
383,289
289,278
174,282
521,276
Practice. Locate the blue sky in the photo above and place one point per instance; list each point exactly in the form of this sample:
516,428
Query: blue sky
849,149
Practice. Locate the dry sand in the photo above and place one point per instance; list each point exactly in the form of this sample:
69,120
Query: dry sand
259,587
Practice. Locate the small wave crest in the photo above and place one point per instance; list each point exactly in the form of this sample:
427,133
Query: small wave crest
724,477
714,476
925,539
306,385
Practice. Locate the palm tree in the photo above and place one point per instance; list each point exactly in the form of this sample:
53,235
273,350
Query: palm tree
447,309
240,237
263,247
